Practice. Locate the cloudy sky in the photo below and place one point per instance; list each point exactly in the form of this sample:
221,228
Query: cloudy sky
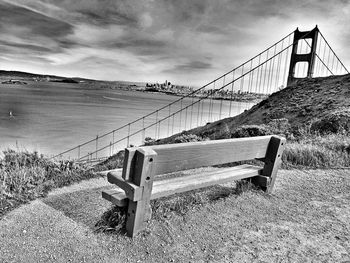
183,41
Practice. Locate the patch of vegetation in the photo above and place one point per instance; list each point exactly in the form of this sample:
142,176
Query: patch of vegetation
112,221
113,162
189,138
334,122
26,176
250,131
318,151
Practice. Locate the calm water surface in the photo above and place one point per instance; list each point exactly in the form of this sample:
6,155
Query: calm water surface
52,117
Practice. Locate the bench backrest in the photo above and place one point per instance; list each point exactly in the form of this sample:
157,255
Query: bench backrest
176,157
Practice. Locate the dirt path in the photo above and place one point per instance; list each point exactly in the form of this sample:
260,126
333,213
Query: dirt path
307,219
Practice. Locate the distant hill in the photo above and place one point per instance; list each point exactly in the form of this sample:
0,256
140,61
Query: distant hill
4,74
25,76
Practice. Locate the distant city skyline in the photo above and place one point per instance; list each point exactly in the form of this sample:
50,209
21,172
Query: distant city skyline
185,42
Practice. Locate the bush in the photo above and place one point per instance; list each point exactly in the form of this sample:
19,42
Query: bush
149,141
113,162
279,126
335,122
188,138
251,131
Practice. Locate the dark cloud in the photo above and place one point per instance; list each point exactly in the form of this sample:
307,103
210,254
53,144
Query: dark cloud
140,46
107,17
32,22
190,66
103,12
211,29
28,47
137,43
185,11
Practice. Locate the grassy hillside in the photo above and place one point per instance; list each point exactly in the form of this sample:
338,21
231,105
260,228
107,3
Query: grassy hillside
306,104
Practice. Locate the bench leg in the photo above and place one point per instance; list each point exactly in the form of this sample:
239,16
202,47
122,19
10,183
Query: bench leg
139,213
272,162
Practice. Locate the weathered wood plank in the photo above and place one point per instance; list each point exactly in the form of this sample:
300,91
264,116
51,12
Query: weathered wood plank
177,157
129,163
187,183
140,211
132,191
116,196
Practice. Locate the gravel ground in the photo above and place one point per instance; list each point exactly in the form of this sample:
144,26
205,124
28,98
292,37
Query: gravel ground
306,219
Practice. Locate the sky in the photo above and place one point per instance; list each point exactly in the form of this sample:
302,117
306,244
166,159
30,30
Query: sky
183,41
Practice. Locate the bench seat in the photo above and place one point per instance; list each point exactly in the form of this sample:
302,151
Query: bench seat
185,183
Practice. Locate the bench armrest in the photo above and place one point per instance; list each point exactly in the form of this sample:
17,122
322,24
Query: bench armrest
132,191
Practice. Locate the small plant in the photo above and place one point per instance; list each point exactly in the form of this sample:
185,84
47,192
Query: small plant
112,221
244,186
149,141
188,138
251,131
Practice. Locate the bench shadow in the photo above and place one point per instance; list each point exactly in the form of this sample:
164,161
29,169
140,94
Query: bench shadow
84,206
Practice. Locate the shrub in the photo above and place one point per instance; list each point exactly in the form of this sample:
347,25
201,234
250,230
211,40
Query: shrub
113,162
149,141
335,122
188,138
250,131
279,126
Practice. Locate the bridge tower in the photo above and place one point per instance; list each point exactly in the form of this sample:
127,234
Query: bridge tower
308,57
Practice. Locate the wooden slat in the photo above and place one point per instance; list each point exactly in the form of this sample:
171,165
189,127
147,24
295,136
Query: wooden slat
177,157
116,196
129,163
132,191
187,183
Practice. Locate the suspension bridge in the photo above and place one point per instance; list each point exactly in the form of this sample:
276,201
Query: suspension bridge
300,54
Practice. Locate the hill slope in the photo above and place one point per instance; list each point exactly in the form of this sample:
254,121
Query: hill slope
302,103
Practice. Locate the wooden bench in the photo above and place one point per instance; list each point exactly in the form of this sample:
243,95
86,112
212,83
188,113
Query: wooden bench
142,164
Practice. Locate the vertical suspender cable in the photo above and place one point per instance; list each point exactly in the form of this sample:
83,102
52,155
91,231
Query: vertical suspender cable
267,55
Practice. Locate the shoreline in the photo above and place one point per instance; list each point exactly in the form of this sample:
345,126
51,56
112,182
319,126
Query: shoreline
244,97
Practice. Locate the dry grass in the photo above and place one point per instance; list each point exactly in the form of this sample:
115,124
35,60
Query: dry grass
26,176
315,151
